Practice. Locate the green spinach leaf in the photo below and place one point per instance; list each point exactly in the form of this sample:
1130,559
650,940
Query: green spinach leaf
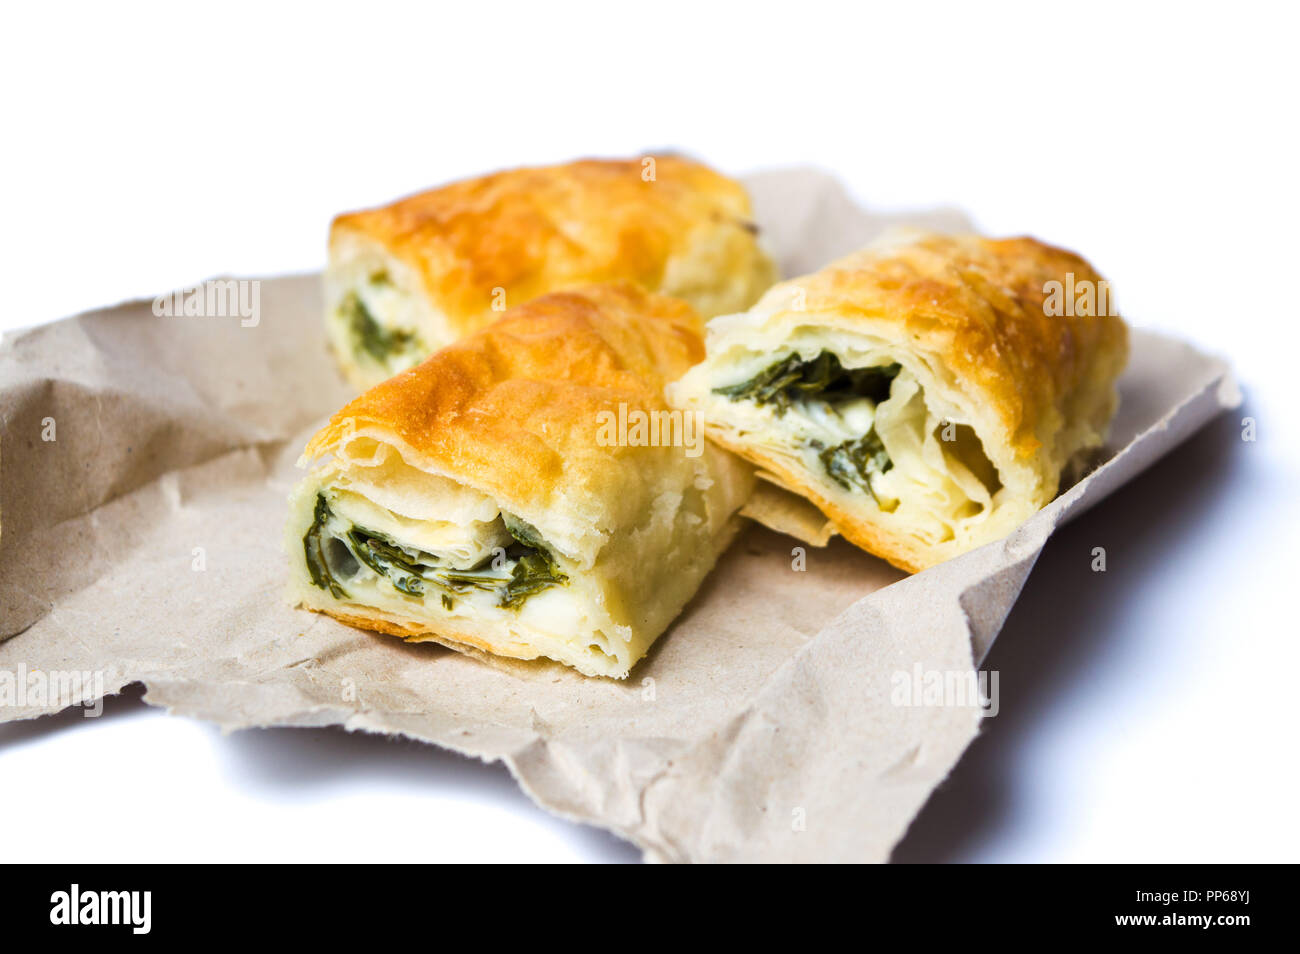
534,568
313,545
822,377
532,573
852,463
373,338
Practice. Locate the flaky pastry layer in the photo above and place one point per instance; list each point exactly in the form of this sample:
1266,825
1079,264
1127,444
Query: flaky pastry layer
922,392
483,499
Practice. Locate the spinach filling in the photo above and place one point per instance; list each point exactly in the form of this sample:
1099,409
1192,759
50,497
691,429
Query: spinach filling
821,378
852,463
535,568
313,545
373,338
389,561
531,567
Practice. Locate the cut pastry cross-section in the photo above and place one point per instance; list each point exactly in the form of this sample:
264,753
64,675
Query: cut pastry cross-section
923,392
484,500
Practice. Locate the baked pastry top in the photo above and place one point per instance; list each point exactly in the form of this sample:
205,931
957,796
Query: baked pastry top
483,500
409,277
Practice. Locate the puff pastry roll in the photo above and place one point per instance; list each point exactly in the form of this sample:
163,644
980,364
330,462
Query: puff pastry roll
488,500
408,278
923,392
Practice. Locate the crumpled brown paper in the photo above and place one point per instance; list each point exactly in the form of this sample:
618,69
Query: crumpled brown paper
144,467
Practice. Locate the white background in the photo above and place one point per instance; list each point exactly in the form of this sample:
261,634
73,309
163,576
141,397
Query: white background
1146,713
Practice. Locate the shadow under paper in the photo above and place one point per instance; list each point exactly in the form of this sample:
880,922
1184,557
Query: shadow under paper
1068,617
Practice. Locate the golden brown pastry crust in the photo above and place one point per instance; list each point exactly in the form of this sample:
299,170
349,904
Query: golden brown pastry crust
533,230
977,305
534,385
513,413
969,313
482,245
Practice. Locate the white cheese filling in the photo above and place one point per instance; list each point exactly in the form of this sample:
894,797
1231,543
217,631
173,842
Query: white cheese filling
461,555
939,481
